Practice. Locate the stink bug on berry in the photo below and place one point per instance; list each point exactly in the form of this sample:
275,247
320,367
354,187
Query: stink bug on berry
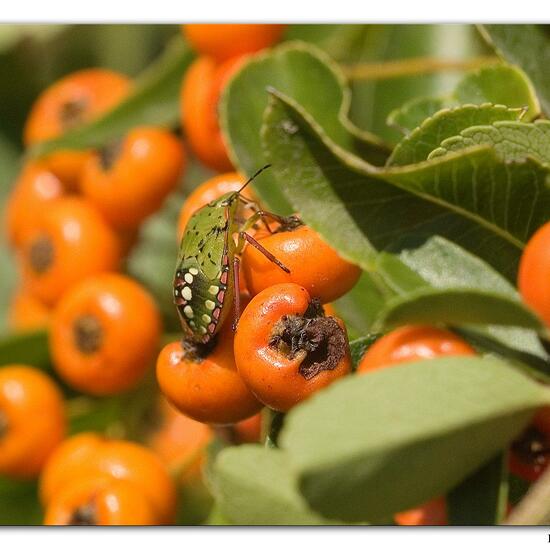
206,283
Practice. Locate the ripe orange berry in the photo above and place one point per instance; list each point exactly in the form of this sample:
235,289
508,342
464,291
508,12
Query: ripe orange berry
286,349
91,456
180,441
204,384
534,271
75,99
412,343
67,462
324,275
104,334
225,41
129,180
433,512
32,420
27,313
100,501
200,94
34,191
68,242
208,191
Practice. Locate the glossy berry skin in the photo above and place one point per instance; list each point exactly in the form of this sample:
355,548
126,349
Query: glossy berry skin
27,313
313,264
534,272
91,456
225,41
35,189
104,334
68,242
74,100
201,90
100,501
412,343
130,180
206,389
32,420
278,378
211,190
433,512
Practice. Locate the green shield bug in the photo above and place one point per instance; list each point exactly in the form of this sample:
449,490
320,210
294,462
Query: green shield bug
206,283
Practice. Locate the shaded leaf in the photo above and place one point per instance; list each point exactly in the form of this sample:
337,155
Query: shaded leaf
497,84
254,486
19,503
369,446
301,71
527,46
27,348
482,498
358,208
360,346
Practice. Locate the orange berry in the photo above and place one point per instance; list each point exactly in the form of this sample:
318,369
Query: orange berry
200,94
68,242
278,371
128,181
100,501
32,420
324,275
412,343
433,512
534,271
34,191
205,385
27,313
74,100
104,334
227,40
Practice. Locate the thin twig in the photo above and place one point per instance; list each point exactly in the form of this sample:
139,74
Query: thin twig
414,66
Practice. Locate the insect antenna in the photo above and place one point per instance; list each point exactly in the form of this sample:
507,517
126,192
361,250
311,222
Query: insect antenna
257,173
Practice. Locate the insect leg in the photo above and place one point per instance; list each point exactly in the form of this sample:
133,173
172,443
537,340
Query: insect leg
252,241
236,292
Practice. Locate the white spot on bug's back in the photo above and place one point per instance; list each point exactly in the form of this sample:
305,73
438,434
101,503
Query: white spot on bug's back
193,271
209,304
188,310
206,318
186,293
202,330
213,289
188,278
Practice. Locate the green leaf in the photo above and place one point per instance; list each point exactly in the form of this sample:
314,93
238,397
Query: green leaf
497,84
19,503
27,348
358,208
457,306
411,115
370,446
254,486
527,46
512,141
420,263
154,100
444,124
301,71
481,499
